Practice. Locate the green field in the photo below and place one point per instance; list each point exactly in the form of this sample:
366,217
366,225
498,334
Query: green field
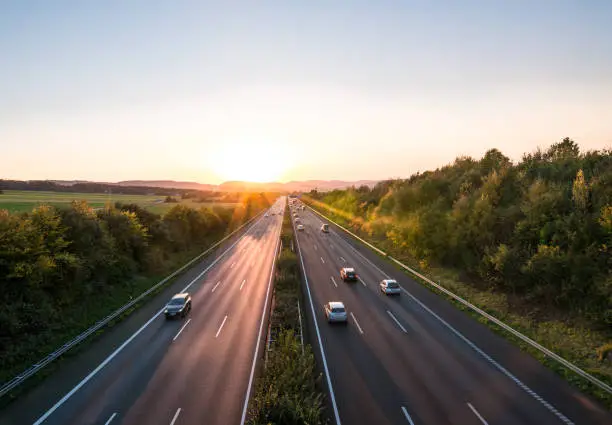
23,201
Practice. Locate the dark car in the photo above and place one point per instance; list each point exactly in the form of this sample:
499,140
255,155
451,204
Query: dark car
348,274
179,306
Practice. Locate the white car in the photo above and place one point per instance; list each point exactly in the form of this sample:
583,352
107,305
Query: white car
300,227
390,287
335,312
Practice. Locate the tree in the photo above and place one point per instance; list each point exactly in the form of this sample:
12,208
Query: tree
565,149
580,192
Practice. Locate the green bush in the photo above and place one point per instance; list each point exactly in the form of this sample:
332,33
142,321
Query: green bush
286,394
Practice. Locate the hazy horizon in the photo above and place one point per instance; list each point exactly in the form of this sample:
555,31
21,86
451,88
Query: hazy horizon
279,92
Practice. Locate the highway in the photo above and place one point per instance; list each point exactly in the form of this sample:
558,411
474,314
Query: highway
415,358
147,370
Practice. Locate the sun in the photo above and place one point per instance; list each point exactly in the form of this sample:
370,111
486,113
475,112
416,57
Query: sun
250,161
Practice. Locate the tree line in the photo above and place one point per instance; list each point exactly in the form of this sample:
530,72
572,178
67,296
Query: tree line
92,187
59,266
540,229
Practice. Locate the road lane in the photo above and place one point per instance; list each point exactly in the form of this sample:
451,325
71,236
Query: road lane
423,367
180,363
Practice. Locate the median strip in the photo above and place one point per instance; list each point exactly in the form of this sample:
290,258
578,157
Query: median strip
288,385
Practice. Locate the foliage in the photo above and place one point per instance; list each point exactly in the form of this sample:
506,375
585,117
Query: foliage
287,392
539,229
53,262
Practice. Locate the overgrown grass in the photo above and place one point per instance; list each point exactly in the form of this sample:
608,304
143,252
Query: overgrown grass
287,392
570,337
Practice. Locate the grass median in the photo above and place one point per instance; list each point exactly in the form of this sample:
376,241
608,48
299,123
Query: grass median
288,391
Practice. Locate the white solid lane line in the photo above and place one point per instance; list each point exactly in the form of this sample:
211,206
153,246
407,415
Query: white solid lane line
215,287
478,415
342,258
242,284
397,321
331,246
221,327
407,416
362,282
110,419
176,415
334,281
181,330
357,323
322,260
315,247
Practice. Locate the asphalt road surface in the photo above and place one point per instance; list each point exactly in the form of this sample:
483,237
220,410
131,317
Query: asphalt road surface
149,370
415,358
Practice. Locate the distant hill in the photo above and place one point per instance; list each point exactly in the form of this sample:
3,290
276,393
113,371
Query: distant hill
292,186
166,184
230,186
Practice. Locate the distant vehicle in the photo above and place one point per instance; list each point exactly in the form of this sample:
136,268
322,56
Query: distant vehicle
300,227
325,228
302,207
390,287
266,214
335,312
348,274
179,305
297,220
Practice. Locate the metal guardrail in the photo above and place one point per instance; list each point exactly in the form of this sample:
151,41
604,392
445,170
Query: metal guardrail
597,382
32,370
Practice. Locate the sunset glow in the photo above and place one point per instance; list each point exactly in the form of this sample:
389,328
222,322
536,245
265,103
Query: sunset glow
253,161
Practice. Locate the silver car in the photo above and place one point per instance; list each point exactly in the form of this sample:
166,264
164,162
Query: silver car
390,287
179,306
335,312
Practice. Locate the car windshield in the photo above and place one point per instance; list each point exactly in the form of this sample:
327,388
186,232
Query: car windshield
351,274
392,284
176,301
337,310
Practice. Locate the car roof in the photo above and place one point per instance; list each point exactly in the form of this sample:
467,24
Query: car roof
348,269
336,304
181,295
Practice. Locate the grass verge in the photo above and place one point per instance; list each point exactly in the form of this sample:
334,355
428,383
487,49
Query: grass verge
288,390
570,337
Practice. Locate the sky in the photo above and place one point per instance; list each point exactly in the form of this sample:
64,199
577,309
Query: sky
294,90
